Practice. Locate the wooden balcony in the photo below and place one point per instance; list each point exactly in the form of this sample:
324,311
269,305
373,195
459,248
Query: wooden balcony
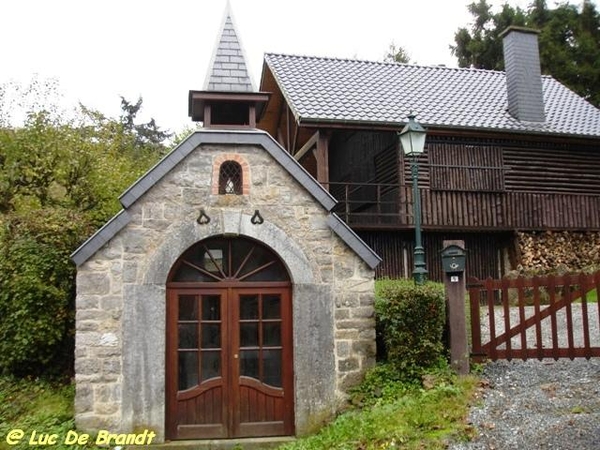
390,206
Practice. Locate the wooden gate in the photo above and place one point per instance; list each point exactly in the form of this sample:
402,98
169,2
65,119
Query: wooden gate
539,317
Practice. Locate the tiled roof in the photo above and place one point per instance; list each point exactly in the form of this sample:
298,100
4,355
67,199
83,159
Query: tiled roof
228,70
342,90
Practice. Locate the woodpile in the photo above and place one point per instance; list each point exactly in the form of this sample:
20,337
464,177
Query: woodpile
558,251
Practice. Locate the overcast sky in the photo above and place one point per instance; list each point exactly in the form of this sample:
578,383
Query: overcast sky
99,50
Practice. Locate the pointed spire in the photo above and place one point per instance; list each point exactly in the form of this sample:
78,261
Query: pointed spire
228,70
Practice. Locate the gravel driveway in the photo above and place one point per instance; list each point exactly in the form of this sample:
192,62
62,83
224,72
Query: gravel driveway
538,404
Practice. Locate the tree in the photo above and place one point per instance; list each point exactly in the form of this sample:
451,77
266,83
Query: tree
396,54
569,41
60,178
147,135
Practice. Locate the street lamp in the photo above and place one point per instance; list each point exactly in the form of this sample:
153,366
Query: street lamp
412,138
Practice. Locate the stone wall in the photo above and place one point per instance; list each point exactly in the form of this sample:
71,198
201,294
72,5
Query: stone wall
120,330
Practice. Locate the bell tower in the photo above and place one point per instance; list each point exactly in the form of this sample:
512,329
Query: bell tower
229,99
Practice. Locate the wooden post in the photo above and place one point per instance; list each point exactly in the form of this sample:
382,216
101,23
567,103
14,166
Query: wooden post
455,286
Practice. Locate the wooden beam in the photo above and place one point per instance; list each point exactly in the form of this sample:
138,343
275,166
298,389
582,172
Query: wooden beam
322,156
307,147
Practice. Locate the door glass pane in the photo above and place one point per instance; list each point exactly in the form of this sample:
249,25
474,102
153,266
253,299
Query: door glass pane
211,365
248,307
211,307
271,307
249,334
249,363
188,307
211,335
188,370
272,367
272,334
188,335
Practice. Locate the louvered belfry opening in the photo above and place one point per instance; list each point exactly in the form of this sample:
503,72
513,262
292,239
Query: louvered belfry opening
230,178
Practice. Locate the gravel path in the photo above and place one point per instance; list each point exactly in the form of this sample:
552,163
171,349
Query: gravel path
538,405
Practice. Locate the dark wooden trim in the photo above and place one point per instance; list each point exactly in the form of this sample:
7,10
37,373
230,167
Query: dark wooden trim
322,156
310,144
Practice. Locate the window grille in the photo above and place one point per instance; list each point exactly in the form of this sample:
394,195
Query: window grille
230,178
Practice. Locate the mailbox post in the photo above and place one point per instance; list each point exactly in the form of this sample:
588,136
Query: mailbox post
453,263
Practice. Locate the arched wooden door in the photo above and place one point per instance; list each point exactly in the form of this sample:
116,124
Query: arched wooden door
229,342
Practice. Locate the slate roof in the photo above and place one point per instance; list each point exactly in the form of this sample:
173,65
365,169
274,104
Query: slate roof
228,70
251,137
363,92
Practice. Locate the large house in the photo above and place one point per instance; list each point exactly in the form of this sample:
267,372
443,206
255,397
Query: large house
505,151
233,294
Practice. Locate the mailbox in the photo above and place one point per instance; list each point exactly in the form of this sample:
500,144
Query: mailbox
453,259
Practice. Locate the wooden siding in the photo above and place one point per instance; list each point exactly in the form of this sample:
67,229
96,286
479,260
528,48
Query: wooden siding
467,184
455,167
568,170
485,252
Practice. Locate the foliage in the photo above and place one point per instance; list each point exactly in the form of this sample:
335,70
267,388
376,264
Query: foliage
36,290
396,54
147,136
569,41
412,319
407,416
37,405
60,179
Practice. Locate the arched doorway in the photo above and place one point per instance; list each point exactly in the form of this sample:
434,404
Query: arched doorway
229,342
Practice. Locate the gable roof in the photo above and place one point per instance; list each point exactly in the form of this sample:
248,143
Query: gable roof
251,137
363,92
228,70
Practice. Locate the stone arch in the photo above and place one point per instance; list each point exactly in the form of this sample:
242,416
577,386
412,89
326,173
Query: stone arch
228,222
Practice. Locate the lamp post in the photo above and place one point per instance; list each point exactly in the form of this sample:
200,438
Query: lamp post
412,138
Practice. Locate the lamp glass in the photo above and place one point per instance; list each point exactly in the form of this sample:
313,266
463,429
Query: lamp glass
412,137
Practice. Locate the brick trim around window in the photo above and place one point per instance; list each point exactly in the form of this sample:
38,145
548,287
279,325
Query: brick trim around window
219,160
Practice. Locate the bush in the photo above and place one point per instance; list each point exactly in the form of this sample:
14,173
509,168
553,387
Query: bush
37,291
411,319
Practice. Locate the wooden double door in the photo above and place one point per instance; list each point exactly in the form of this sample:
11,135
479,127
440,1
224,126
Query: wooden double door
229,361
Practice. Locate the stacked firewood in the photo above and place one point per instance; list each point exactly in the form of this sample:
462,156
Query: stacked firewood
559,251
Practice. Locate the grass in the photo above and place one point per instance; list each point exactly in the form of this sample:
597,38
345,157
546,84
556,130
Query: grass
395,415
35,405
417,418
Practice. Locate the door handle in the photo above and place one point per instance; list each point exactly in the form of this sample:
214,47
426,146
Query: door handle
235,356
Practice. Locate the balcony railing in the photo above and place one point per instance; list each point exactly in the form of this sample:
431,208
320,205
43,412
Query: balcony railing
391,205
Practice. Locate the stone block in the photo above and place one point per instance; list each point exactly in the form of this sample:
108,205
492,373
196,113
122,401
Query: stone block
342,313
110,303
363,312
84,398
348,364
87,366
343,349
88,302
367,349
106,408
93,284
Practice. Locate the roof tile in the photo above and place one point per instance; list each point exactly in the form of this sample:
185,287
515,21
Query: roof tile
329,89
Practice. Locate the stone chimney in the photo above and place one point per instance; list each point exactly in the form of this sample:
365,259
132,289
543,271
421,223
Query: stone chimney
523,74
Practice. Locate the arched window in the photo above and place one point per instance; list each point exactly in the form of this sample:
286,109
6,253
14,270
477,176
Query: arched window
230,178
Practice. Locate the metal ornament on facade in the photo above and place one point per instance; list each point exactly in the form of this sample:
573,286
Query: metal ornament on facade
257,218
203,218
